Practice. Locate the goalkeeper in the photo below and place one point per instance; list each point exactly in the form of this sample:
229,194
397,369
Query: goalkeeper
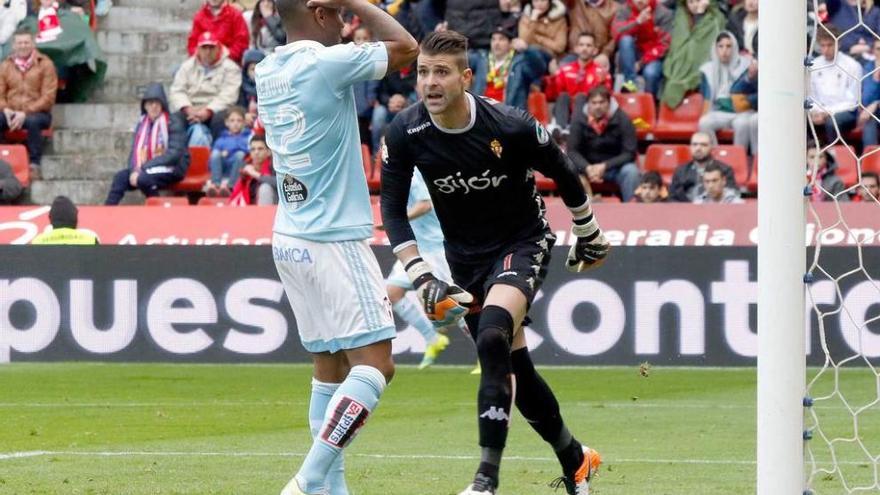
477,157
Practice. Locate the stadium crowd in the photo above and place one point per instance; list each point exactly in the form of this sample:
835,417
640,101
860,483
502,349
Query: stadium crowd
646,96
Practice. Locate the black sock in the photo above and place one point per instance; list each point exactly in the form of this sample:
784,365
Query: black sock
537,403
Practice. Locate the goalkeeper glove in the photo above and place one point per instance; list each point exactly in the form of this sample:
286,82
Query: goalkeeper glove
590,248
444,304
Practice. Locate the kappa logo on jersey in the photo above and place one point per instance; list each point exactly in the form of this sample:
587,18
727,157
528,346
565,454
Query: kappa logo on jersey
495,414
453,183
293,190
419,128
348,417
541,133
496,147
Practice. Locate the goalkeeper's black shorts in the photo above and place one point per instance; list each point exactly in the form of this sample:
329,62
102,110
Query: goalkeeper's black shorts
522,265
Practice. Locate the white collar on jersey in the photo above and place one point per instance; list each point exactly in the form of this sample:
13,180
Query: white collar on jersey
296,45
473,105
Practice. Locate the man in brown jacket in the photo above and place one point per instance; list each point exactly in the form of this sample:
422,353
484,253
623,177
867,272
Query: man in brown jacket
28,84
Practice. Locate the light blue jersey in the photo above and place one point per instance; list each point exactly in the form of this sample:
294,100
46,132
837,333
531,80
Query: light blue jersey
307,104
426,227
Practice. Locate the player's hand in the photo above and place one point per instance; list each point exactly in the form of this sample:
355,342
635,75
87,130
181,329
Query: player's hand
444,304
590,248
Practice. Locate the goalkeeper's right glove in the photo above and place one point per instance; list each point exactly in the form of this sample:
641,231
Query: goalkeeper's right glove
590,248
444,304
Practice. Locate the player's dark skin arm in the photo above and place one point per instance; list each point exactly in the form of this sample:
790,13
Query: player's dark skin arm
402,47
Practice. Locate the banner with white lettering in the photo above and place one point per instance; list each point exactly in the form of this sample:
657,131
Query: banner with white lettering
673,306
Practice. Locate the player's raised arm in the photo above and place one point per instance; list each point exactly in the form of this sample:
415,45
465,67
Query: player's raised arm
402,47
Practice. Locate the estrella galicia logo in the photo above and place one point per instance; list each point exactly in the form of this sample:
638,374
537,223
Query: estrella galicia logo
293,190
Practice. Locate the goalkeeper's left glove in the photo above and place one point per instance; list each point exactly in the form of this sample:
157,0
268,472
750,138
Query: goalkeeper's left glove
444,304
590,248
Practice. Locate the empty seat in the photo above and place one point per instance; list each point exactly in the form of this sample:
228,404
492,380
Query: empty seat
167,201
198,172
871,159
678,124
16,156
543,183
217,201
641,109
735,156
665,158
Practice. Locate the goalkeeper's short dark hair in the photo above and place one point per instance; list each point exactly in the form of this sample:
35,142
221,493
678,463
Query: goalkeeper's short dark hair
446,43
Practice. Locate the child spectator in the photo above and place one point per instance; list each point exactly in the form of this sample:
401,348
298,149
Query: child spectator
641,31
650,189
697,24
266,29
248,97
227,155
544,25
828,185
256,184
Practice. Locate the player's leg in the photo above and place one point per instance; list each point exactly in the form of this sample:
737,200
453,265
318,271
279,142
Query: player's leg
504,304
330,371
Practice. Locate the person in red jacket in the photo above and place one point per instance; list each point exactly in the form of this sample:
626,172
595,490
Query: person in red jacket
227,24
642,32
576,78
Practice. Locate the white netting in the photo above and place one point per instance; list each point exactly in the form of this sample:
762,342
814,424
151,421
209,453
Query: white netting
842,410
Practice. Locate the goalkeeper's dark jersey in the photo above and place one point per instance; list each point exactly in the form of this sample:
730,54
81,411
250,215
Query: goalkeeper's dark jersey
481,178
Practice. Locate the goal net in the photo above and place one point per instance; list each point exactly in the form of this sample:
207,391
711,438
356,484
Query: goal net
842,403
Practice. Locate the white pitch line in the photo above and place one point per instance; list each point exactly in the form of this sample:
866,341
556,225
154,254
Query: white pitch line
594,405
20,455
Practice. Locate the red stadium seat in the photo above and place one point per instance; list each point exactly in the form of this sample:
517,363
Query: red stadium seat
544,184
752,183
847,165
538,107
206,201
16,155
198,172
640,107
372,169
20,135
678,124
735,156
665,158
724,135
871,159
167,201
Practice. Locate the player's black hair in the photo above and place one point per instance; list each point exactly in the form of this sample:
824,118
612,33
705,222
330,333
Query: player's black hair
446,43
652,178
713,167
599,91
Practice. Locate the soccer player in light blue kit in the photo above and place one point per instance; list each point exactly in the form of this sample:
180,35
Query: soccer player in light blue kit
429,236
324,218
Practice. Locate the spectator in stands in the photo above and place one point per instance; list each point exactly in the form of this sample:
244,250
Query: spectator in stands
718,76
869,114
603,145
715,188
650,189
366,94
641,31
102,7
593,16
204,87
265,26
475,19
744,96
576,78
159,155
10,187
743,23
396,91
844,15
383,115
834,87
509,69
544,25
64,217
687,181
225,23
28,85
257,183
228,153
11,13
829,185
870,188
248,97
696,26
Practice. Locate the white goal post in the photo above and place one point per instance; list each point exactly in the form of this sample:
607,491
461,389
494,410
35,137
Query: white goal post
781,251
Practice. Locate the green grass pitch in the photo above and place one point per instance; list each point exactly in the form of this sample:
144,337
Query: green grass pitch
242,429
